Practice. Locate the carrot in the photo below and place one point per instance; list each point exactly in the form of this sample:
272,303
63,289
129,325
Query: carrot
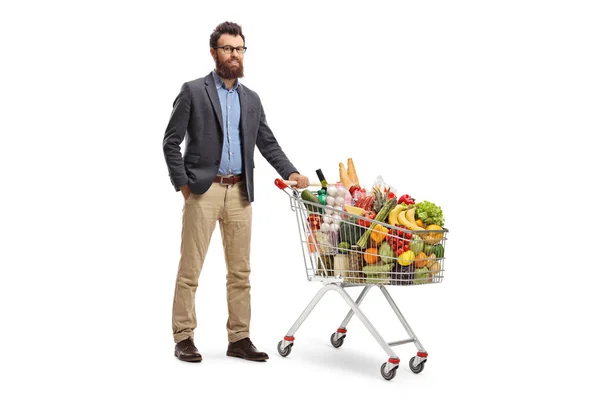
311,244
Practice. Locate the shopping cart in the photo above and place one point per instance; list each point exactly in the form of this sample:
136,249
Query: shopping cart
343,255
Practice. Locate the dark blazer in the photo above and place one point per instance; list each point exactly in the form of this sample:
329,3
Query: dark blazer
197,118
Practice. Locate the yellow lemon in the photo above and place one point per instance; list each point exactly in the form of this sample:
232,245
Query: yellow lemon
406,258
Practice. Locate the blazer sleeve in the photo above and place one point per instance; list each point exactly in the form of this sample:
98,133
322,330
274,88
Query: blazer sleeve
174,136
270,149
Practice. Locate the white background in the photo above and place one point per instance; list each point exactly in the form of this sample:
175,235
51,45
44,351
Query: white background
489,109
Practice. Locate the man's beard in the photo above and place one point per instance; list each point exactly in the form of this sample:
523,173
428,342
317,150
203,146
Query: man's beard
226,71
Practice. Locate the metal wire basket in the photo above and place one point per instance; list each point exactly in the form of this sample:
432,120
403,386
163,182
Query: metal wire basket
352,249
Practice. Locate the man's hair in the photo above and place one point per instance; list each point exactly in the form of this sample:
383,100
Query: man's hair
230,28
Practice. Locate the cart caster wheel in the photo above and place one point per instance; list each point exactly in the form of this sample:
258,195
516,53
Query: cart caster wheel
336,343
390,375
286,352
418,368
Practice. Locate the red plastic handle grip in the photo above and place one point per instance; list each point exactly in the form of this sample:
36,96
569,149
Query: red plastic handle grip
280,184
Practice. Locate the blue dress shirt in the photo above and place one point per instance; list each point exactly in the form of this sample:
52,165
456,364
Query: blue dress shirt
231,156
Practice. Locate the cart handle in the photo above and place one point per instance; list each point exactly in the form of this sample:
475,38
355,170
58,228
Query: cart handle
283,184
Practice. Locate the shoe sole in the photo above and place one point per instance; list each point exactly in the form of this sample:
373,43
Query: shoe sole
192,359
246,358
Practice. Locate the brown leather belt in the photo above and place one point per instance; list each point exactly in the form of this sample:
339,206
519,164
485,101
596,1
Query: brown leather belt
229,180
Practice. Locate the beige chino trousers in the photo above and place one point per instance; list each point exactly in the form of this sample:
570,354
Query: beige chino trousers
230,206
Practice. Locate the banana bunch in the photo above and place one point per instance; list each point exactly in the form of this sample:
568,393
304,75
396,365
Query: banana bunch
393,216
407,218
402,215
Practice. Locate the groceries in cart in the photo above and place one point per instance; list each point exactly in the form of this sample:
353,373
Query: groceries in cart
371,235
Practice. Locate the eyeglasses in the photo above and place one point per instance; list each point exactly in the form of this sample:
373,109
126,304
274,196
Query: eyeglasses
230,49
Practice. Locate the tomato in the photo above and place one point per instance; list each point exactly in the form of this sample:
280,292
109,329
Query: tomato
406,247
363,223
408,235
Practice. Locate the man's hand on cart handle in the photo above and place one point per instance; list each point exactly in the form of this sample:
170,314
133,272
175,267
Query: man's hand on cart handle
300,181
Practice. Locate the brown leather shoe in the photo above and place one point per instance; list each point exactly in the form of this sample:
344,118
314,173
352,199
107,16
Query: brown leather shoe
187,351
245,349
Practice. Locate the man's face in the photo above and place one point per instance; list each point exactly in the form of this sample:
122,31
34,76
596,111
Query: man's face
229,66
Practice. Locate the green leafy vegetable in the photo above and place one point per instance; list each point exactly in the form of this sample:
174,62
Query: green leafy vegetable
429,213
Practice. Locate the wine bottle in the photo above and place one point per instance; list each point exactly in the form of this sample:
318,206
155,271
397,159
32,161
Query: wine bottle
322,193
322,179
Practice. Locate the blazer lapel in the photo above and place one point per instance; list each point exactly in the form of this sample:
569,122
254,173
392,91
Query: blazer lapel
243,110
211,89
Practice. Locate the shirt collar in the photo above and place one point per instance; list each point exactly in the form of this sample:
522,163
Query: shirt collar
220,84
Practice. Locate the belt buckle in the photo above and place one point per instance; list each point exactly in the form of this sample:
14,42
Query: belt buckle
225,184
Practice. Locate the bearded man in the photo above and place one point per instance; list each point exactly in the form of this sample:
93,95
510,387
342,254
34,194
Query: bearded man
222,122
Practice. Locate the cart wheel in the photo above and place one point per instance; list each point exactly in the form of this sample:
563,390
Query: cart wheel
390,375
336,343
418,368
287,351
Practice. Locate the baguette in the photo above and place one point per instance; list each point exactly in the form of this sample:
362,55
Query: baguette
352,172
344,176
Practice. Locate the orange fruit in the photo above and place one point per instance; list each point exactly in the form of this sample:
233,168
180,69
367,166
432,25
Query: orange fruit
421,260
371,255
434,237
